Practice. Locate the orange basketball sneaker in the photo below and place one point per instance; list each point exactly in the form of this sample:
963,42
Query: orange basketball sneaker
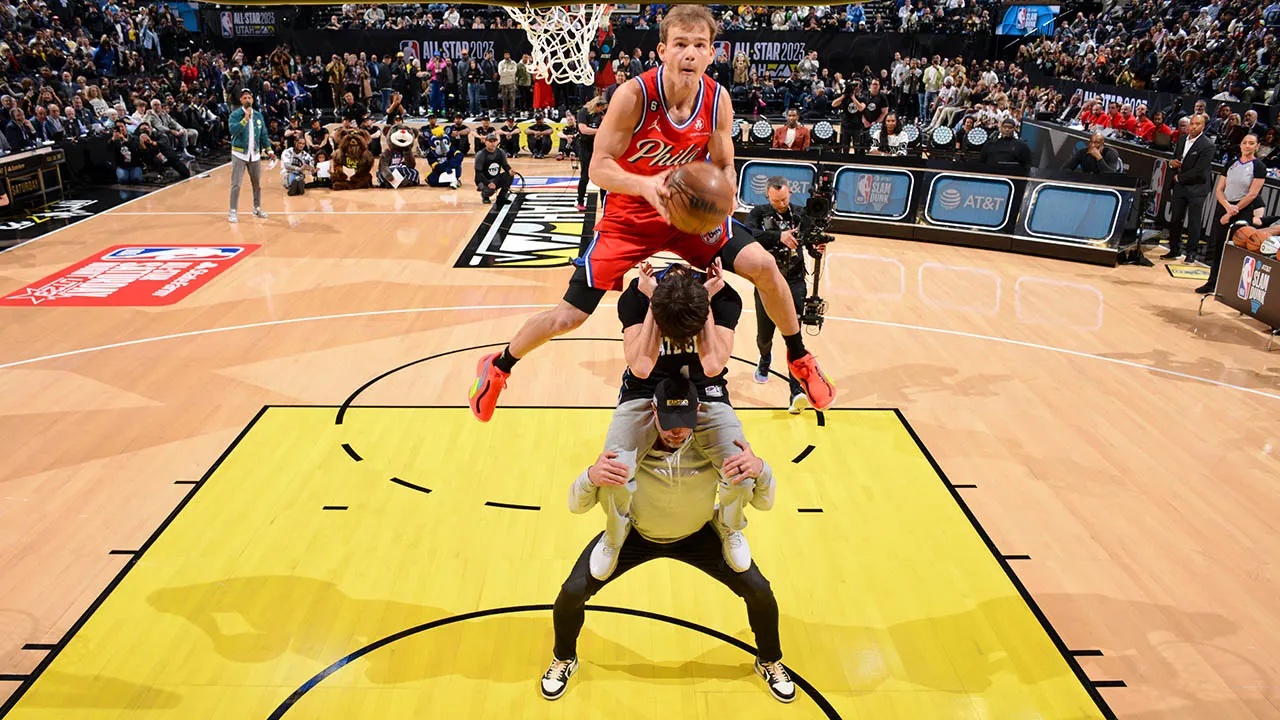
817,386
490,380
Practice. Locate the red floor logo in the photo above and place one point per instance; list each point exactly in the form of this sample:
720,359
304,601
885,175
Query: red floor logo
131,275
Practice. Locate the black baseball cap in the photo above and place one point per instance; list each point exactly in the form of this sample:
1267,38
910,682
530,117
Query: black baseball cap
677,401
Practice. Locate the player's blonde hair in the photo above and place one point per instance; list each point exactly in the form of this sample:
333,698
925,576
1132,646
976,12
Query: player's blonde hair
688,16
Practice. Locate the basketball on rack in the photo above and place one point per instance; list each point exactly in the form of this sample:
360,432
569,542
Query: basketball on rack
1248,237
702,197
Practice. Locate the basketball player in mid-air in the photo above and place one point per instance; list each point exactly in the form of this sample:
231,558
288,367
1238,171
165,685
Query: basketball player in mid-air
669,116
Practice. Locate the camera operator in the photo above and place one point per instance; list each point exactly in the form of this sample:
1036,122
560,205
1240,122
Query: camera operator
775,225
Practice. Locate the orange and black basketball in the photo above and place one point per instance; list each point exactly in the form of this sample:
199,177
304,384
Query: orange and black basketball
701,197
1247,237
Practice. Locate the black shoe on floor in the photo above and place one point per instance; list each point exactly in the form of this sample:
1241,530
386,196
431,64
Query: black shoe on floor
1205,289
1171,255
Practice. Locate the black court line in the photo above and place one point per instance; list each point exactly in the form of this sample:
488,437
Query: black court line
809,510
1108,683
822,418
1016,557
1013,577
40,646
296,695
964,487
410,485
14,678
803,454
334,507
351,451
1087,653
511,506
346,404
186,482
124,552
29,680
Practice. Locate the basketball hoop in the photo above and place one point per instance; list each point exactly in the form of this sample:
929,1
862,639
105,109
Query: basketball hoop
561,38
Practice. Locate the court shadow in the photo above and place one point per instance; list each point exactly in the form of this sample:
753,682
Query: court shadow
1208,368
263,618
900,384
1216,327
69,690
978,647
682,671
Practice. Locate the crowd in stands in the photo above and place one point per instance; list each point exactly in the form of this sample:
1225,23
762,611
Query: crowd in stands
1223,50
124,75
129,74
971,16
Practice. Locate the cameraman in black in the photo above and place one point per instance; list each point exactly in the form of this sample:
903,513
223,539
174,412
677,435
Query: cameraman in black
775,225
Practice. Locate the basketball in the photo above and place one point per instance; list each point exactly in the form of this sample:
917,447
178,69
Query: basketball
1247,237
701,197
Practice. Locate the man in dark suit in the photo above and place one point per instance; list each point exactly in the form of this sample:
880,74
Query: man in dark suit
19,132
1192,181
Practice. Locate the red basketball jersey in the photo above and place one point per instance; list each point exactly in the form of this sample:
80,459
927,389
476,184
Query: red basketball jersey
658,144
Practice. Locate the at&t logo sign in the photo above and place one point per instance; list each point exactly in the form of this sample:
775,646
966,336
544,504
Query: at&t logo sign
950,199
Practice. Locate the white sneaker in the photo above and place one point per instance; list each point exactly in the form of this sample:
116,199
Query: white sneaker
604,558
257,212
798,404
775,675
232,217
736,551
556,679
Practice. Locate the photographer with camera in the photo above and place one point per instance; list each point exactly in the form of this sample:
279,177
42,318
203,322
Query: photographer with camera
779,226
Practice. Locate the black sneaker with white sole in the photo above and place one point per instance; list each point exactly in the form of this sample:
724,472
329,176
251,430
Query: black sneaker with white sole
556,679
776,677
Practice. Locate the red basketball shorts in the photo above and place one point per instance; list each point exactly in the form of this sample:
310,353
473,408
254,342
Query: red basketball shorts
622,243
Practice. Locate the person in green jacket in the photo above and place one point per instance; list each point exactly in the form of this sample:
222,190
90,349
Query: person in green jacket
249,142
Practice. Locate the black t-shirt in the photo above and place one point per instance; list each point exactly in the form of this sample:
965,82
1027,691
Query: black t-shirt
586,118
726,309
874,105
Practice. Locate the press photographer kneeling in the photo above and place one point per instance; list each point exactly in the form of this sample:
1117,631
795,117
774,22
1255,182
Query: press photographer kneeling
779,226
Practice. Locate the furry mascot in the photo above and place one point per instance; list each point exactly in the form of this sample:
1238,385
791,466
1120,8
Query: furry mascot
397,158
445,161
352,162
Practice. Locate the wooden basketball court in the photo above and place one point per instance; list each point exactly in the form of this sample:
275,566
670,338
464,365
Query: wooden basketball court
1047,491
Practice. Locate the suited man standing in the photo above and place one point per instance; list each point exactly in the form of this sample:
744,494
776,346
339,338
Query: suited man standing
1192,181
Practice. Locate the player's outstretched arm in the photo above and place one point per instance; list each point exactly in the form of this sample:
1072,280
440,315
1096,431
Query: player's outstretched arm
611,142
715,342
641,342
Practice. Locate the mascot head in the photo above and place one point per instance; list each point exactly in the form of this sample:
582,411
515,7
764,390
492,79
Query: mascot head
438,141
354,144
400,137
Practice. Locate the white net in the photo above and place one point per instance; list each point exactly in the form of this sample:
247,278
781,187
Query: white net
561,38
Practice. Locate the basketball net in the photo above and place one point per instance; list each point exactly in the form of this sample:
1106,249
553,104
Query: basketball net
561,38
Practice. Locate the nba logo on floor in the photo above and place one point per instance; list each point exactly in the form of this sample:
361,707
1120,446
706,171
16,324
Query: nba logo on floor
173,252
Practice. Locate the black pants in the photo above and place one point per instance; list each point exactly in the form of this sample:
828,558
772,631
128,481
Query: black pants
765,326
702,550
539,144
502,181
1186,211
1219,234
584,165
